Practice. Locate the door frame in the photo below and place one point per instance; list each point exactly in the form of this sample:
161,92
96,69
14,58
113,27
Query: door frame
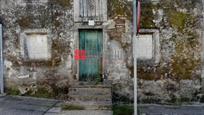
101,58
77,29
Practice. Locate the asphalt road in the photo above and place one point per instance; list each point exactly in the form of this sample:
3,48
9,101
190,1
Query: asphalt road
10,105
172,110
16,105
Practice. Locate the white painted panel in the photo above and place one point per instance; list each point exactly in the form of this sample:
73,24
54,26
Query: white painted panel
76,10
100,9
116,52
144,47
85,8
104,10
81,8
37,47
97,9
93,7
89,10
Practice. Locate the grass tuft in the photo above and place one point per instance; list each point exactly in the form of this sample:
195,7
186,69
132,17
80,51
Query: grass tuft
72,107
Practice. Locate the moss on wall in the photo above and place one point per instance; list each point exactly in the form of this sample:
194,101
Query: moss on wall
25,22
59,49
147,15
179,20
41,92
186,59
12,91
119,8
147,74
63,3
55,21
184,68
189,4
124,8
184,62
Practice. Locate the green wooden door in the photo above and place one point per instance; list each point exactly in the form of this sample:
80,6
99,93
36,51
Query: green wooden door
91,42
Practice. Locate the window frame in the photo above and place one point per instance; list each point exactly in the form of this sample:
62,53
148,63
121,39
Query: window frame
24,51
102,11
155,49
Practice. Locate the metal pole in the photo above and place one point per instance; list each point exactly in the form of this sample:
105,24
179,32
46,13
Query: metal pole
1,61
134,53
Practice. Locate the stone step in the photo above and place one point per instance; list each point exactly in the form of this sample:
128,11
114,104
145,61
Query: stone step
87,112
88,85
90,102
91,105
91,97
89,91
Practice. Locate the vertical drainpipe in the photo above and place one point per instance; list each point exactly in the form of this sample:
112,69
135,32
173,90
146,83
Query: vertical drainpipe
1,61
134,53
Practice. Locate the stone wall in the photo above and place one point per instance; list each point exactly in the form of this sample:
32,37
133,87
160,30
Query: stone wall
50,76
177,76
173,77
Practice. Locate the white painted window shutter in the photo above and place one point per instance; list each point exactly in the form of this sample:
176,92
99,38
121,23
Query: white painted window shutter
85,10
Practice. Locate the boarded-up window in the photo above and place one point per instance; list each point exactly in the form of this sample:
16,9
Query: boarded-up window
37,47
145,47
148,47
85,10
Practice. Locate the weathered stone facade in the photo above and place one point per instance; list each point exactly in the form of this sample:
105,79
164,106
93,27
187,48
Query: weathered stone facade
52,75
172,75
